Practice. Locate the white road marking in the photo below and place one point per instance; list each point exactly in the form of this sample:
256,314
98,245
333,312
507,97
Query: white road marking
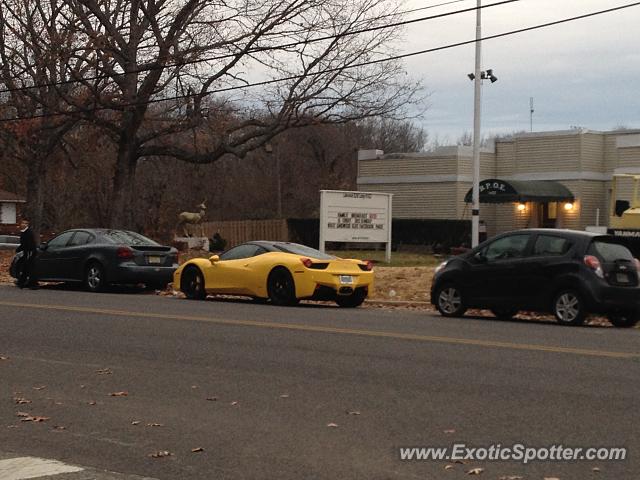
32,467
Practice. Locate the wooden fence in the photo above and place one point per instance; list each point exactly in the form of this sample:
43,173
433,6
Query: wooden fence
236,232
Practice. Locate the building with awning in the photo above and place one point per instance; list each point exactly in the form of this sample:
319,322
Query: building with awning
556,179
495,190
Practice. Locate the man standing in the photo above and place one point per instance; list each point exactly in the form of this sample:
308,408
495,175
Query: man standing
29,248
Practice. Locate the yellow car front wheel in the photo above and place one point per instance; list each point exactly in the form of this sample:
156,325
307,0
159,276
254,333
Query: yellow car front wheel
192,284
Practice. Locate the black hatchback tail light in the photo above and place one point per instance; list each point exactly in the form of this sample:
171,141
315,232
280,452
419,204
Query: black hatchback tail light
594,264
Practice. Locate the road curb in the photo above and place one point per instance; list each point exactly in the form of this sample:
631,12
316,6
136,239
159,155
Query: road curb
398,303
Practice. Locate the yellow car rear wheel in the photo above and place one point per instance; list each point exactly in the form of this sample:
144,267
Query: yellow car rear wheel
281,287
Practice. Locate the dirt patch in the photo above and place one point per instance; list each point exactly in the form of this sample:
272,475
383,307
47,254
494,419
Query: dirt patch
410,284
5,263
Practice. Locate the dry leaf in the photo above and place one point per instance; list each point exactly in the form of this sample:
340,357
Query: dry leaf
196,450
448,467
41,387
83,386
595,469
59,427
511,477
21,401
194,386
212,399
104,371
450,431
160,454
475,471
4,357
234,403
135,422
92,402
353,412
284,395
35,419
22,414
551,478
12,426
155,425
119,394
332,425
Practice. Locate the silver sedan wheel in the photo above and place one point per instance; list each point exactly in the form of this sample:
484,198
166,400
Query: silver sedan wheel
567,307
94,277
450,300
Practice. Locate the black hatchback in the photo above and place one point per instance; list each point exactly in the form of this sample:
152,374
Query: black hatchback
98,257
566,272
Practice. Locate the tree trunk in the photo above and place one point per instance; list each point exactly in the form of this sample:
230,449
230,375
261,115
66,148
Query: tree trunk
121,215
36,181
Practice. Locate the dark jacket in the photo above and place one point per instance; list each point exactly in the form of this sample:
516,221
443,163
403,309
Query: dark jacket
28,243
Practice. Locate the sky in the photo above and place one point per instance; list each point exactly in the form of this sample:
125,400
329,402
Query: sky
584,73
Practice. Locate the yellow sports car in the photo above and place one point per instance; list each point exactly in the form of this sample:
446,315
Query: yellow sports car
281,272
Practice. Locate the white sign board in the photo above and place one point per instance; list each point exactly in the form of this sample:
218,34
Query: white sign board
355,217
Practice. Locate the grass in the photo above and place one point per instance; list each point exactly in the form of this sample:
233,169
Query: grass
398,259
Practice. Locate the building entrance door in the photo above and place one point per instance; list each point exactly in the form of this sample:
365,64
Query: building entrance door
548,214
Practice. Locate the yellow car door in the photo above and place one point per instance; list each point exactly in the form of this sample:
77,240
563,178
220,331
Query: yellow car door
233,273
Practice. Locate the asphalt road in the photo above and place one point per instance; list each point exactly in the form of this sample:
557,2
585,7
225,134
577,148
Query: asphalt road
257,387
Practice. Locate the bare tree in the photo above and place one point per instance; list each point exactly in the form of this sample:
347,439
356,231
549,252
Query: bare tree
392,135
37,53
312,70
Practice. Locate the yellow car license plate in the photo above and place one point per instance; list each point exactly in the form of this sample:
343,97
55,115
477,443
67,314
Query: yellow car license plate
346,279
154,260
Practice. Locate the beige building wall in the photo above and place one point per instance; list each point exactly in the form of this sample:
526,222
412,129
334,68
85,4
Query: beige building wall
433,186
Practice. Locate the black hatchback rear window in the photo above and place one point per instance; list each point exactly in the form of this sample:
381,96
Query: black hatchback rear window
610,251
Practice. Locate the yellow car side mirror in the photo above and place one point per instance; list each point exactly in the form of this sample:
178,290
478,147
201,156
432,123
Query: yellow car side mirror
214,258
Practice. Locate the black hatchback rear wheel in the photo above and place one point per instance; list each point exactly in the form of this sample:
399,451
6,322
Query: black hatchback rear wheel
624,319
569,308
450,301
192,284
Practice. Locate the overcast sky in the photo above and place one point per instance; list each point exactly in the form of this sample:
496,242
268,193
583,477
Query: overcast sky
584,73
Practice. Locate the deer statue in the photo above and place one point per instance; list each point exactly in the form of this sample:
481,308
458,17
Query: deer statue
190,218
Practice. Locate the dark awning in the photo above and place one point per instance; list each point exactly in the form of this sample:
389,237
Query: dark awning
494,190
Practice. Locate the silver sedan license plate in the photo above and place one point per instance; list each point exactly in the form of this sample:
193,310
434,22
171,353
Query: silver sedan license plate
346,279
154,260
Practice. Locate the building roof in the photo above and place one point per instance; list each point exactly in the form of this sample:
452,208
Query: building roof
8,197
505,191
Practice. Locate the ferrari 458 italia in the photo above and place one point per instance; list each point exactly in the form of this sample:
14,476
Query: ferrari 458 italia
281,272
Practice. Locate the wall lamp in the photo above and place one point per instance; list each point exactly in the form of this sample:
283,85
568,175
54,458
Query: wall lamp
485,75
521,207
568,206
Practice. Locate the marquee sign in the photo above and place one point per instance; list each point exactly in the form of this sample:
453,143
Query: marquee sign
355,217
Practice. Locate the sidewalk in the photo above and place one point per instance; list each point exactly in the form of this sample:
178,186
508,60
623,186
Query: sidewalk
15,467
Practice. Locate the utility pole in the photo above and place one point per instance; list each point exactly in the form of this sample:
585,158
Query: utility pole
475,208
531,110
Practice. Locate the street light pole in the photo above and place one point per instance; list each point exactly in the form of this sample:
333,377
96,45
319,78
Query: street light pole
475,209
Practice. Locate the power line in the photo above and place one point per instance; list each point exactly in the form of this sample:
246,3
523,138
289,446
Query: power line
371,62
264,49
